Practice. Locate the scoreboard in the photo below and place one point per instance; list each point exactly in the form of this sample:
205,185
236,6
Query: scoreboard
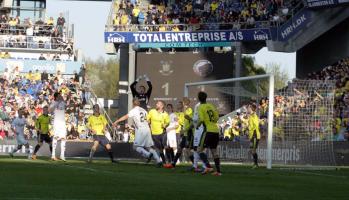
169,72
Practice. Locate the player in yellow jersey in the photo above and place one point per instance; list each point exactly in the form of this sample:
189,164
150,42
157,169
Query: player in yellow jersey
253,132
180,115
208,117
42,127
159,119
187,136
97,125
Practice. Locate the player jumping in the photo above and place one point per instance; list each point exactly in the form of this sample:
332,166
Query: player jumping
143,143
142,95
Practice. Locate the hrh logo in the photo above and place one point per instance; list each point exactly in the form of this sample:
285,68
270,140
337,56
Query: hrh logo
166,68
260,35
115,38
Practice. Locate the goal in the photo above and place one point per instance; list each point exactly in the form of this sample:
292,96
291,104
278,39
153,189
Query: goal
295,121
230,96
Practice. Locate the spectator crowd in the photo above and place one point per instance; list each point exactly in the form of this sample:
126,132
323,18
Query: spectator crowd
34,90
192,15
49,34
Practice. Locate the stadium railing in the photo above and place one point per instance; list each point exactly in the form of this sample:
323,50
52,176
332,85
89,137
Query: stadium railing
94,100
194,27
36,42
38,29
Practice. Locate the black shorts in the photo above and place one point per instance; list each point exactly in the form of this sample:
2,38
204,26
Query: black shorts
160,141
209,140
254,143
44,138
190,139
101,139
183,142
179,138
186,141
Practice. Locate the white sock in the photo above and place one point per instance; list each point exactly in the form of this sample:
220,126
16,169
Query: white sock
196,159
155,155
63,148
54,145
143,152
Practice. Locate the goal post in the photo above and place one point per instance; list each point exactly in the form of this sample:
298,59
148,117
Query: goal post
270,119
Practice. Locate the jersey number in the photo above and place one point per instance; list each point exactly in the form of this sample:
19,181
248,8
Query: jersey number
143,116
211,115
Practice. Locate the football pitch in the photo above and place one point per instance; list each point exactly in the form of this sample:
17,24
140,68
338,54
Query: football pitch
23,179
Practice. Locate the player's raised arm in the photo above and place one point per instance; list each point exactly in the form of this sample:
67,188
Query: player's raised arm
150,87
133,87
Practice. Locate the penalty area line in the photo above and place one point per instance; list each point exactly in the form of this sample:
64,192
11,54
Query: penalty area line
67,165
319,174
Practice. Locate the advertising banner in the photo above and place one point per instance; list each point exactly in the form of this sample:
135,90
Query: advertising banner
188,37
324,3
324,153
294,25
51,67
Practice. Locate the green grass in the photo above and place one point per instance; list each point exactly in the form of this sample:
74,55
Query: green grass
41,179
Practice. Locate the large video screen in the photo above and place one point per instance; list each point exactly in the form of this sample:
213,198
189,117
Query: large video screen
169,72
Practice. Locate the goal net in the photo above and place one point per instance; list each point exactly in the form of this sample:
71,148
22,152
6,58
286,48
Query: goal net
295,121
304,122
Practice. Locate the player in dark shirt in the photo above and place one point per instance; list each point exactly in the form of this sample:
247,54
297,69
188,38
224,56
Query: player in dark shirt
141,94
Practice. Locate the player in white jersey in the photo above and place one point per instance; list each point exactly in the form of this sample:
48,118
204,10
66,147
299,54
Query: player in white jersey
18,125
143,142
171,133
197,136
59,127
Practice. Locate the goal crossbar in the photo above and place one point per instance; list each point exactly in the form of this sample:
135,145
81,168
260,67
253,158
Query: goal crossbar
270,106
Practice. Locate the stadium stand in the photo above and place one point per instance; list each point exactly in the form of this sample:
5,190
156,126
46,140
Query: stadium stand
34,90
17,33
201,14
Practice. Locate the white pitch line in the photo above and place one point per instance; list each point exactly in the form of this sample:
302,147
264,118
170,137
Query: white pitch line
41,198
319,174
88,169
38,198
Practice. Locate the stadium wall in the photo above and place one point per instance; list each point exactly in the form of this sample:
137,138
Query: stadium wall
324,51
291,153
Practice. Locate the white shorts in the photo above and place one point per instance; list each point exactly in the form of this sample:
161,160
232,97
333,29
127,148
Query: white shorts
197,136
59,129
172,139
143,138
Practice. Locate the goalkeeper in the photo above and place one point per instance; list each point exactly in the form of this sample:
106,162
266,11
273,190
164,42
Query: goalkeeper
142,94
